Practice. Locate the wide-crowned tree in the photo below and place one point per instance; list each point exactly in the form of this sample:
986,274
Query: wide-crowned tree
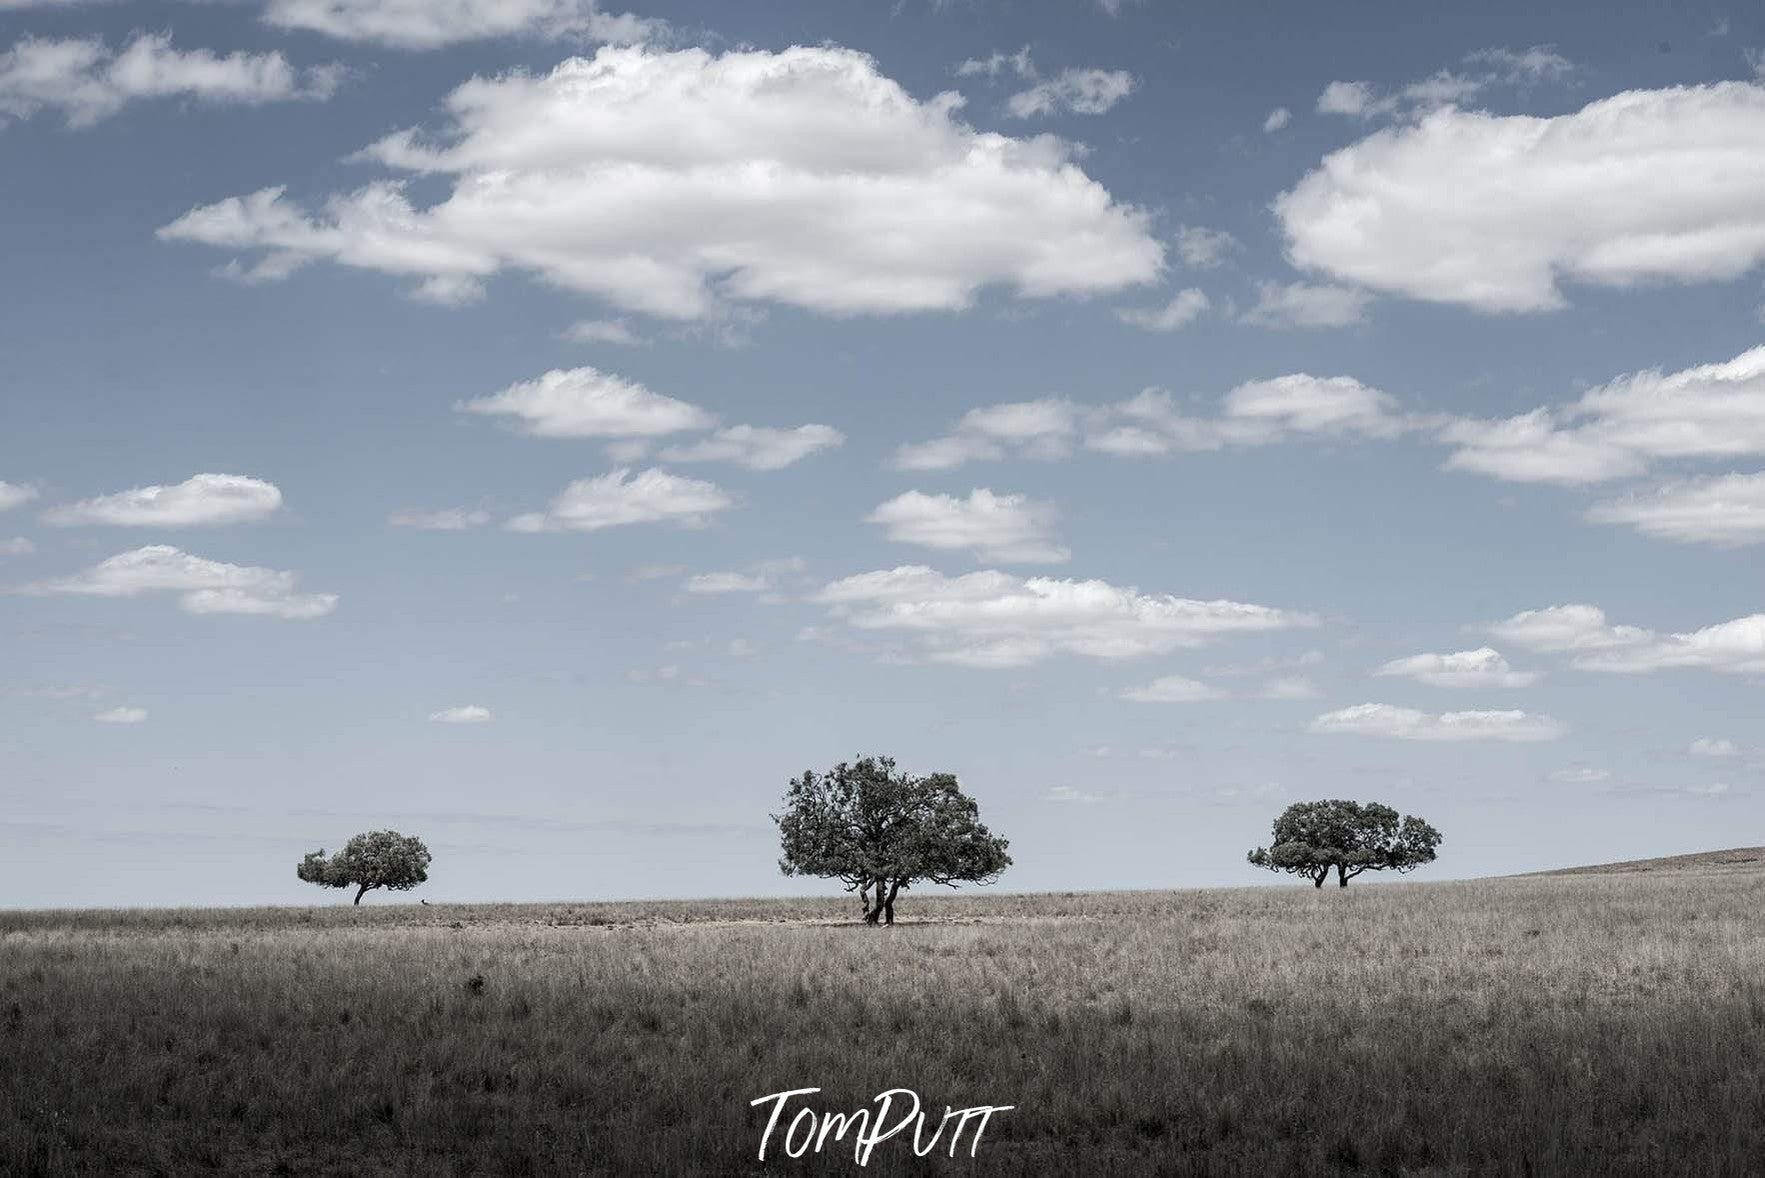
1310,838
880,831
376,859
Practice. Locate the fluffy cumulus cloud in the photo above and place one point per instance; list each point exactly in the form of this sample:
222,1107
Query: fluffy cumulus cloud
202,500
588,403
758,447
1496,212
1734,647
1185,307
464,714
1409,724
85,81
14,494
1727,511
431,24
122,716
1072,91
1622,428
202,586
619,497
1043,429
1172,689
994,619
1706,746
1483,667
1277,120
1008,529
679,183
1256,413
1559,628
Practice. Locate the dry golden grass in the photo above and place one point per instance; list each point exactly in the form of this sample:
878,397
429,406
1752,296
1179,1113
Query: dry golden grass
1609,1023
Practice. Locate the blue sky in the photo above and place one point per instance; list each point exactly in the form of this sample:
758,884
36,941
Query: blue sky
548,429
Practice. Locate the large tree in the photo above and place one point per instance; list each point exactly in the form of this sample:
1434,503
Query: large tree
1310,838
879,831
376,859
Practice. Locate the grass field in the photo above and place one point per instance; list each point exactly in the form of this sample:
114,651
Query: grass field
1607,1022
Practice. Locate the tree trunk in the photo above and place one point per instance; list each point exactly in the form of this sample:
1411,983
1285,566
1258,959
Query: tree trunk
1317,881
864,898
889,904
360,892
873,911
1341,876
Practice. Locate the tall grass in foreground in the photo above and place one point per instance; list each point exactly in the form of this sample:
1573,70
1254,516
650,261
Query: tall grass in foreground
1587,1024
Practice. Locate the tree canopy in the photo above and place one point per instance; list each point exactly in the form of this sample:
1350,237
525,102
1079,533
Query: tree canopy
879,830
376,859
1310,838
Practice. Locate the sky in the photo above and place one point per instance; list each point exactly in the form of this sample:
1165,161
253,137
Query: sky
546,429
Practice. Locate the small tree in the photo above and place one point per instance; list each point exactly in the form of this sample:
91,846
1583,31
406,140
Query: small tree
880,831
377,859
1310,838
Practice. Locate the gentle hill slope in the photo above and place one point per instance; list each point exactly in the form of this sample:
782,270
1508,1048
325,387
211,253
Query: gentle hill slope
1733,859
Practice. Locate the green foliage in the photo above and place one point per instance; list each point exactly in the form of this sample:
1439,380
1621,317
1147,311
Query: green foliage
376,859
1311,838
867,824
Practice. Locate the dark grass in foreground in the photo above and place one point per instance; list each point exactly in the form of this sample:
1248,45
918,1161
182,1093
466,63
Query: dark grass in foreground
1608,1023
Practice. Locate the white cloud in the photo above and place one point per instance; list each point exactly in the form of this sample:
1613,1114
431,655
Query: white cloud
1183,309
1075,91
1566,628
1009,529
1256,413
464,714
992,66
1278,118
677,184
1706,746
1306,304
13,494
1482,667
603,331
726,583
618,498
1501,67
1041,429
1201,248
1172,689
86,81
17,546
1622,427
1736,647
1494,212
588,403
1067,793
200,501
451,519
1346,98
1409,724
1580,775
758,447
431,24
122,716
1727,511
994,619
202,586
